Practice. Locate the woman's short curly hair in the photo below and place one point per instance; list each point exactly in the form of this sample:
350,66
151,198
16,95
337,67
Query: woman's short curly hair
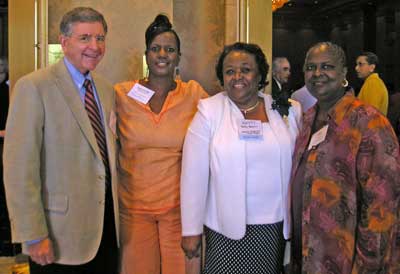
252,49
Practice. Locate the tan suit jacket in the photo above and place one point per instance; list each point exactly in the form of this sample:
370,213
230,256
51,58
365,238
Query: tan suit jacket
54,175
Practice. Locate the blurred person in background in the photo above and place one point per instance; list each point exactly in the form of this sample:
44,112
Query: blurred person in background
373,90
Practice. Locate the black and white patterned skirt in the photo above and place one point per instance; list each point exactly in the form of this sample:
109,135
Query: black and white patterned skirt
260,251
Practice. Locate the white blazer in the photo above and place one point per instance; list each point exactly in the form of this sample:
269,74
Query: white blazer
213,179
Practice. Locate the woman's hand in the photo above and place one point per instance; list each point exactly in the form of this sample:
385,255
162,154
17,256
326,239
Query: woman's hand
42,252
191,246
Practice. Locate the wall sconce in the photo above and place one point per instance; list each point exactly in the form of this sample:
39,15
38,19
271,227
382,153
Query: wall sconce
276,4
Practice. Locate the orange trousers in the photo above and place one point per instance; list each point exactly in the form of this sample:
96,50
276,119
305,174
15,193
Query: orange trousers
151,243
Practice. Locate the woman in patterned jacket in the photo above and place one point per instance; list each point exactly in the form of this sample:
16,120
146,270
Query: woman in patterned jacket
345,177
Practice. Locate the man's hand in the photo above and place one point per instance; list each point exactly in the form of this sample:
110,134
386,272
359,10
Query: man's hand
191,246
42,252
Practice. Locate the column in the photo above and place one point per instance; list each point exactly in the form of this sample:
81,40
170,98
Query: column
201,27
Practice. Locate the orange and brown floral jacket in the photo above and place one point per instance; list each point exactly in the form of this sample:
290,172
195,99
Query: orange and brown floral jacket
350,216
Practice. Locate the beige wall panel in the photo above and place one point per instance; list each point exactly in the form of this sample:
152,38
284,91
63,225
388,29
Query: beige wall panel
21,43
201,27
204,26
260,28
231,21
127,23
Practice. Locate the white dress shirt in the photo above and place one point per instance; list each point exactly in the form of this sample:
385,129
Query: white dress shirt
304,97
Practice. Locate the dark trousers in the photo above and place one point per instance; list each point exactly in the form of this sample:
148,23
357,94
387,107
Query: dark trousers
106,259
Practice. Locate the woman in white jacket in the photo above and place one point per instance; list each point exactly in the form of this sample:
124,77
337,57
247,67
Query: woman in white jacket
236,166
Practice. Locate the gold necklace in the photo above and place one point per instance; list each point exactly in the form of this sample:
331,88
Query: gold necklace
247,110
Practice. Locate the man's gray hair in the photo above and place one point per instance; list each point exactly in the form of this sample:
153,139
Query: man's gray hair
276,61
80,15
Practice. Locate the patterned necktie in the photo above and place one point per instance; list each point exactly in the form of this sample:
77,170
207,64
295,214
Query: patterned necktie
97,125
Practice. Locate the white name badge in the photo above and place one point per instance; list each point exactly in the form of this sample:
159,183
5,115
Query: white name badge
318,137
141,93
250,129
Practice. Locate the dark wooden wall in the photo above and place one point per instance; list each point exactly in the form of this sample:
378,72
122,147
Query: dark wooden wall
3,28
354,25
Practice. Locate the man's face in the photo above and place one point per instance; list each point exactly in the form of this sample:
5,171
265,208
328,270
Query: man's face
363,68
85,47
282,72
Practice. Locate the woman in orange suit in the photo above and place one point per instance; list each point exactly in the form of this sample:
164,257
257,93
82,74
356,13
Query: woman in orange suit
153,115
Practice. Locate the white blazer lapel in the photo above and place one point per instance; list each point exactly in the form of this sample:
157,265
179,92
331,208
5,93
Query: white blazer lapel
230,170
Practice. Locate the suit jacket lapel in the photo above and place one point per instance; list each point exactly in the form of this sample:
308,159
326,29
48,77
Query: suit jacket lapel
68,89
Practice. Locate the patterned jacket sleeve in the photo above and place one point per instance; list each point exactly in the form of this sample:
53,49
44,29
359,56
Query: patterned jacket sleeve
378,173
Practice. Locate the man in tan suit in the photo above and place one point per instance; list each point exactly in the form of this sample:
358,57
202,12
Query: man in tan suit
59,157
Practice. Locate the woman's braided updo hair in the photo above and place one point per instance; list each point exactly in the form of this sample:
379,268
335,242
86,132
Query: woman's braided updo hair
160,25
